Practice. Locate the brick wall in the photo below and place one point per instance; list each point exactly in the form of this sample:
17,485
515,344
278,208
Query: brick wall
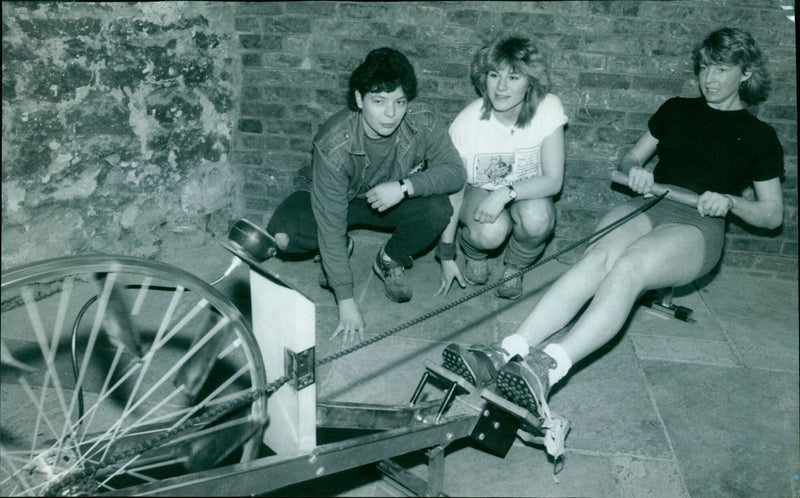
613,64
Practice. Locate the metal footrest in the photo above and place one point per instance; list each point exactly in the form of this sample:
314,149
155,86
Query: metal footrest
456,385
495,427
449,377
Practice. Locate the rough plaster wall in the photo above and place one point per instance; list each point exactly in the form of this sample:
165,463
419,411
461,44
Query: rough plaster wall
613,62
116,127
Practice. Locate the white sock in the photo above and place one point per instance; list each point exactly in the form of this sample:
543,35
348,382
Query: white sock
563,362
515,344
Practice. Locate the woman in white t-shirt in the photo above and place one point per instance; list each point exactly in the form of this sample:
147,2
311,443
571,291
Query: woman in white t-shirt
511,141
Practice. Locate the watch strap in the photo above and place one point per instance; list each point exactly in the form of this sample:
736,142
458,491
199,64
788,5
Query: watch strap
512,194
404,188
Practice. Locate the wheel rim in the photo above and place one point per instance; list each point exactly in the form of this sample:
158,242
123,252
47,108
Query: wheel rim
64,412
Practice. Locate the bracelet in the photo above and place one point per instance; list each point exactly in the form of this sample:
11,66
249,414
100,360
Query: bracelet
446,251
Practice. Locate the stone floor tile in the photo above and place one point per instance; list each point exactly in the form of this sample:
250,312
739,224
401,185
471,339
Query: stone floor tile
764,340
640,478
685,350
768,357
303,276
446,327
733,430
608,403
327,320
727,292
385,372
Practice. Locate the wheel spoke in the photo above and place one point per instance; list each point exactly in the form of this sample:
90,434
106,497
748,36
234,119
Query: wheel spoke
211,396
41,413
8,459
66,293
140,296
38,330
126,364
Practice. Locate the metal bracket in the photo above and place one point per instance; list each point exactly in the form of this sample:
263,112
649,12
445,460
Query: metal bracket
662,301
495,430
299,367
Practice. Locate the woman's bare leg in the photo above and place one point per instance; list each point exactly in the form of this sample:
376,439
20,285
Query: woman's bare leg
567,295
669,255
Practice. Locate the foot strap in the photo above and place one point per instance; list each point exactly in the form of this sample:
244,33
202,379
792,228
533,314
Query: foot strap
555,430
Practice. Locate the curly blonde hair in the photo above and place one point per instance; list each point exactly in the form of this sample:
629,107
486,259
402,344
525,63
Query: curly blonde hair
523,57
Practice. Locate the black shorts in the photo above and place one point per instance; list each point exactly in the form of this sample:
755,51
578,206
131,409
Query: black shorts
669,211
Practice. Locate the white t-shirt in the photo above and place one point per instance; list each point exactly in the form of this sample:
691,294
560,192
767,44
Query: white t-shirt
495,154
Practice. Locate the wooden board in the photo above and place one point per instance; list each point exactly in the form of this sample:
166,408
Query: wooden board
284,319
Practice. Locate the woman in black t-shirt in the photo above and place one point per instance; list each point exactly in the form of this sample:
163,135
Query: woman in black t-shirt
710,145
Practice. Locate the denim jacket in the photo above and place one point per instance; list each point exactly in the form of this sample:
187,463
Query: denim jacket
426,158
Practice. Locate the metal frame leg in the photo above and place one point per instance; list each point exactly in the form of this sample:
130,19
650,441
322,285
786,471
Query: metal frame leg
663,303
433,486
666,297
435,471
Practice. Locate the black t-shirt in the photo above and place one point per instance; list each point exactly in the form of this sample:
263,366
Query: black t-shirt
705,149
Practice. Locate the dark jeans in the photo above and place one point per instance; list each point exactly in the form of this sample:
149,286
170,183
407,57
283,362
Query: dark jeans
417,223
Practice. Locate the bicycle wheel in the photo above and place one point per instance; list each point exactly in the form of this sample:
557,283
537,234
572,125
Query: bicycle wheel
101,354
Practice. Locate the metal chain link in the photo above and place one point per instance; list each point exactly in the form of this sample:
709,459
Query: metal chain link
597,234
79,479
84,480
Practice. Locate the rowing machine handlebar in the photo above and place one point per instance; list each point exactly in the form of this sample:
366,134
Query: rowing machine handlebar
679,194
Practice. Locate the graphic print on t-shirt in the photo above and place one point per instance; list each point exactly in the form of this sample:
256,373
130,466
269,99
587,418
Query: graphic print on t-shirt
506,168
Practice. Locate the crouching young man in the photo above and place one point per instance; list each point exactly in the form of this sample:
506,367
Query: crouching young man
384,162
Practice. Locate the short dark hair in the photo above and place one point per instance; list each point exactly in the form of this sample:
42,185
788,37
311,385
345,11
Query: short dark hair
733,46
522,56
384,70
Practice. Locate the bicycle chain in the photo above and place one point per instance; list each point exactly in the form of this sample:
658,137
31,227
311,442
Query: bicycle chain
81,478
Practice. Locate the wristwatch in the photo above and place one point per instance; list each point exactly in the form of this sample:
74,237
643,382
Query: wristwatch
404,189
512,194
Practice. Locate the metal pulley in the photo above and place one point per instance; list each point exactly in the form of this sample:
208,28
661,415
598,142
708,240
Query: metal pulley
246,237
